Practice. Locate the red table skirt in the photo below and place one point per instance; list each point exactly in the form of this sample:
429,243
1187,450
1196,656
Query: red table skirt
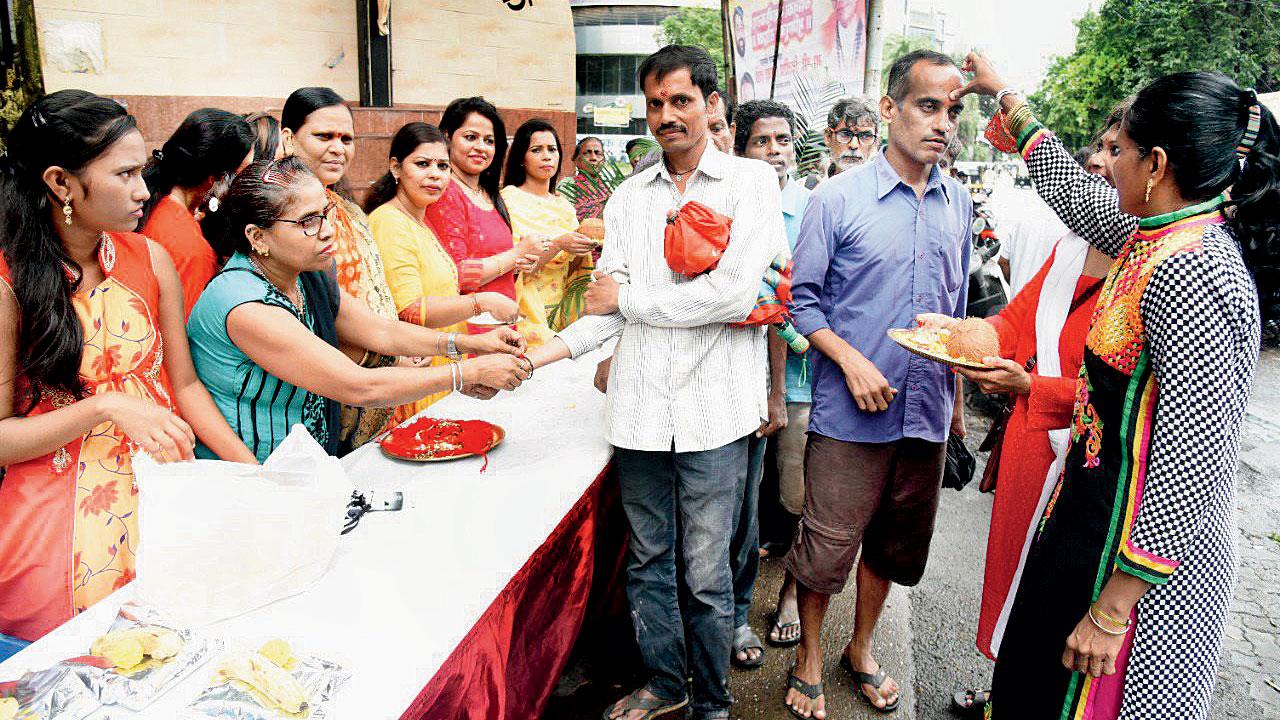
510,661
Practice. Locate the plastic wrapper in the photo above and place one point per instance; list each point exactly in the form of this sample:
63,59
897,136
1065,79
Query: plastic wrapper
53,694
138,687
231,700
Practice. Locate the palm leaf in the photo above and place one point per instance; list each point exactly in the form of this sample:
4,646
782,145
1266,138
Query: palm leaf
570,306
812,98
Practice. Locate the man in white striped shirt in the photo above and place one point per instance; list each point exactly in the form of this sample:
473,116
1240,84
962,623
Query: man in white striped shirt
685,389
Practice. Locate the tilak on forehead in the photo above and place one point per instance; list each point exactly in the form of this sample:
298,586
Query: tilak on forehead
662,92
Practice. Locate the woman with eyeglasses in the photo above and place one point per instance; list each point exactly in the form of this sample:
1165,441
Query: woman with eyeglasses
209,144
94,363
318,129
266,331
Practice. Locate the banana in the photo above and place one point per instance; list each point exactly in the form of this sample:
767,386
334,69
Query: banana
276,685
278,652
127,648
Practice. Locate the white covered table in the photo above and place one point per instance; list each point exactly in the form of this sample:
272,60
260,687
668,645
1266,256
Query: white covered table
410,589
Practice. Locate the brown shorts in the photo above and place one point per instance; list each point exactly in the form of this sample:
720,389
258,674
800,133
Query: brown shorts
882,496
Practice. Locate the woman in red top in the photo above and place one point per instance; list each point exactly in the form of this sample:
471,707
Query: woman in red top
91,332
209,145
470,218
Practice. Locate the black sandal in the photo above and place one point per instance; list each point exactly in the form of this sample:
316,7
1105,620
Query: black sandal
813,692
744,638
654,707
875,680
970,702
779,627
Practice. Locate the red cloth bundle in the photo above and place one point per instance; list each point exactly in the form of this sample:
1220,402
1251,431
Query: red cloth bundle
997,133
695,238
693,242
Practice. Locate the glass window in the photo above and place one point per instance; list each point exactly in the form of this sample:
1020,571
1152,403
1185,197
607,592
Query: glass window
608,74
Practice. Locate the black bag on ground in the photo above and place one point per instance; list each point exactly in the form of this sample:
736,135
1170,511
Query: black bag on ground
960,464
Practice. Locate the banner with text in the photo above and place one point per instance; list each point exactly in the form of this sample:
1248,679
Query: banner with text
823,40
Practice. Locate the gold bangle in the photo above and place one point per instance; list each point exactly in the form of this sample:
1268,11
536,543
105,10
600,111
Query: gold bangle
1018,119
1110,618
1102,628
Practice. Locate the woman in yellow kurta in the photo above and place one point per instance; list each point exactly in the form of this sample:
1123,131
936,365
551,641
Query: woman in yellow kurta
553,292
421,275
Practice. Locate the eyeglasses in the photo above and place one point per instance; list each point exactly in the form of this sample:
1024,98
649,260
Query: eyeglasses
311,224
848,136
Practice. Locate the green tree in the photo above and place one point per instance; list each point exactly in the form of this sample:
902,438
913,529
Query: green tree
700,27
1127,43
22,78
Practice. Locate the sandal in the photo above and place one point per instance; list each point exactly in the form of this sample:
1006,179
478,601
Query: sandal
970,703
778,629
744,638
654,706
875,680
721,714
813,692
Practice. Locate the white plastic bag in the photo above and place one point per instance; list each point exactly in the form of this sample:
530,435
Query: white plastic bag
219,539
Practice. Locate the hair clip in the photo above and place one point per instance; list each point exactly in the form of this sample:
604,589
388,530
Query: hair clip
37,118
158,155
273,175
1252,127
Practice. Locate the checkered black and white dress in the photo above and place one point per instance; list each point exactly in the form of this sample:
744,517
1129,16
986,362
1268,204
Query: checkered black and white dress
1149,483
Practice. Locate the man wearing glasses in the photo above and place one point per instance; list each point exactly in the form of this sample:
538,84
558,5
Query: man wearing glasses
852,138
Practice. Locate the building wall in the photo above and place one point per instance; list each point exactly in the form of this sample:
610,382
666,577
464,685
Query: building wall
257,48
442,49
165,58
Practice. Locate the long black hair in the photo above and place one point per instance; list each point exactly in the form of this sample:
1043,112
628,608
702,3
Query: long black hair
406,140
455,114
1200,118
299,106
209,144
67,129
516,174
266,134
259,195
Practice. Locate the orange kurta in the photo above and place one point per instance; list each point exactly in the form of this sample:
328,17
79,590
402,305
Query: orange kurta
176,230
68,521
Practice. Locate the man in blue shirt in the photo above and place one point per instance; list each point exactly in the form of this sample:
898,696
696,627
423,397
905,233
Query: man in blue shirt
878,245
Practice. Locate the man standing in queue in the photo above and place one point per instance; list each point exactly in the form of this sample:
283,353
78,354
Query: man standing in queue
686,388
878,245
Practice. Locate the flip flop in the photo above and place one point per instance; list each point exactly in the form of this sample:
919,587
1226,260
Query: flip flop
654,707
780,627
744,638
813,692
970,702
875,680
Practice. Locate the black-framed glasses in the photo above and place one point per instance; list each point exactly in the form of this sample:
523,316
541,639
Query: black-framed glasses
311,224
848,136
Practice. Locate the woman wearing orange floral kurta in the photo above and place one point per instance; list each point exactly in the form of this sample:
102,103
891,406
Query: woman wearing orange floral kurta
318,129
91,329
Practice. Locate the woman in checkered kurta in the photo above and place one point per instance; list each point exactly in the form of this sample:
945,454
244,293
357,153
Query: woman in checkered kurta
1148,490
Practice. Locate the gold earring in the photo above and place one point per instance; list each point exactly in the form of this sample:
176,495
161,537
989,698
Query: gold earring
1150,182
264,252
66,211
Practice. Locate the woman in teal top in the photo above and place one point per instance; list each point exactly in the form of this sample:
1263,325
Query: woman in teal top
270,333
259,406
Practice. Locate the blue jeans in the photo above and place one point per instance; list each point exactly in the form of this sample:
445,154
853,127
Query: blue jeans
9,646
744,551
700,493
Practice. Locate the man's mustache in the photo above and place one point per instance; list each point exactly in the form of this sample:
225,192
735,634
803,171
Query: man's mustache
670,126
